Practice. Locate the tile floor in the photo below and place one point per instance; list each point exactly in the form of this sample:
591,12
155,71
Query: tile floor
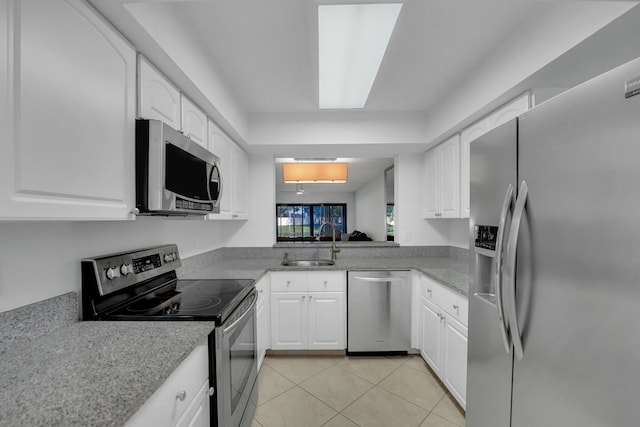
340,391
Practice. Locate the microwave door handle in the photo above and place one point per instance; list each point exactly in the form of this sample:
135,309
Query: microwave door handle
506,205
215,168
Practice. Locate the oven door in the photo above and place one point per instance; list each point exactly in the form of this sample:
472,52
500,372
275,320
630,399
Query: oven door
236,366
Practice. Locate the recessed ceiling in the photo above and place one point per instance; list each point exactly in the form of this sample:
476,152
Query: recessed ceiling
253,65
267,50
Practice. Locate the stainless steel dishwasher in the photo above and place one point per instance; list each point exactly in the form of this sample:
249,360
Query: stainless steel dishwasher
378,312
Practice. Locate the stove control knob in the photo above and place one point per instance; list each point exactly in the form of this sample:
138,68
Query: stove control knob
126,269
112,273
170,257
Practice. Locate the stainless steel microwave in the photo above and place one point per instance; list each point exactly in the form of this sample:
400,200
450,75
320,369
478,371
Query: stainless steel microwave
174,175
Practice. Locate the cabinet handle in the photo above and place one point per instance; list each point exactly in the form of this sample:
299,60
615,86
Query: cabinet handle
303,297
310,296
456,306
429,291
181,396
288,282
325,283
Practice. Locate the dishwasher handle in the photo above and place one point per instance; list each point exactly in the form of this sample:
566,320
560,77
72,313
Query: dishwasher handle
380,279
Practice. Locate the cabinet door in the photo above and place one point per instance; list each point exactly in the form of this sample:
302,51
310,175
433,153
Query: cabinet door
198,413
289,321
327,320
466,137
194,122
67,111
241,183
455,359
263,320
509,111
431,336
449,158
158,98
431,184
222,146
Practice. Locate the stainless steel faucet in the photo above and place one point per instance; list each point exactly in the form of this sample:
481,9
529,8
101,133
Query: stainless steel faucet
334,249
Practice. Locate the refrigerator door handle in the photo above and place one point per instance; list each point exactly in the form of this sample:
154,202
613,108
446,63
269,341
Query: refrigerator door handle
510,269
506,205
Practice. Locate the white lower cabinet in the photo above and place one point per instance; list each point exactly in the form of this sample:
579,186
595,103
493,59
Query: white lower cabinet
431,348
198,414
263,321
444,335
183,399
308,310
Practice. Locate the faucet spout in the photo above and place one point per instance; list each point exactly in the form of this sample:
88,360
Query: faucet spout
334,249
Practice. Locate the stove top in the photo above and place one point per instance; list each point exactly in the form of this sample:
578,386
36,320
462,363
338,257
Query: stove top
143,285
210,299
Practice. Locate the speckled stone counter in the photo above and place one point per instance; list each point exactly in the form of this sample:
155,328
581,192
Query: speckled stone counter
448,270
92,373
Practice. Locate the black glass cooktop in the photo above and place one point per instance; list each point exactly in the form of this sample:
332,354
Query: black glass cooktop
211,299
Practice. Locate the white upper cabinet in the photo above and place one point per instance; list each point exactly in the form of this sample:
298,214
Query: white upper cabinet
222,146
158,98
442,180
234,167
509,111
194,122
500,116
466,136
241,183
67,111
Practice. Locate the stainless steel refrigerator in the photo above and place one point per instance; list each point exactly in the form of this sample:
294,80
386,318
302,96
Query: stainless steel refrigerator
554,301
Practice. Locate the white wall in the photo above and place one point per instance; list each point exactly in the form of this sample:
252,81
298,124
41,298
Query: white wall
371,209
323,197
40,260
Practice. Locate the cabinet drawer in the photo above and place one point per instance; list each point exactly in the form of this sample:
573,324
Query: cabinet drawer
164,408
327,281
454,304
294,281
430,289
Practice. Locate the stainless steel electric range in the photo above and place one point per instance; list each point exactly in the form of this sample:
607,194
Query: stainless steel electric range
143,285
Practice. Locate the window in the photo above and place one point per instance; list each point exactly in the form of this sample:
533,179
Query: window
304,222
390,222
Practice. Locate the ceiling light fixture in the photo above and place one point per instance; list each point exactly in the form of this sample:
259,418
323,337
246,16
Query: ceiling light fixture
315,159
352,41
315,173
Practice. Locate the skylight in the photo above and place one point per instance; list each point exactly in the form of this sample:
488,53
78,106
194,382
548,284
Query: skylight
352,41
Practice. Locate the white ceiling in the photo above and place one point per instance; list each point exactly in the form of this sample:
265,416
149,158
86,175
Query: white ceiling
264,53
267,50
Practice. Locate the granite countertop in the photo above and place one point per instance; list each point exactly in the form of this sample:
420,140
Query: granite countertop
92,373
446,270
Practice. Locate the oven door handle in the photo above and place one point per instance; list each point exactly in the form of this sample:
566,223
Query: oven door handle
232,326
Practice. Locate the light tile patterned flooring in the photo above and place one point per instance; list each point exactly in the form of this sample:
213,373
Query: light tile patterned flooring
340,391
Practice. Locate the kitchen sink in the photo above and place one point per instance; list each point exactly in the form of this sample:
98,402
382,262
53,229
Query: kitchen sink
307,262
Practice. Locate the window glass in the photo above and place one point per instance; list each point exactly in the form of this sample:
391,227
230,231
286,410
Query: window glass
390,222
308,222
